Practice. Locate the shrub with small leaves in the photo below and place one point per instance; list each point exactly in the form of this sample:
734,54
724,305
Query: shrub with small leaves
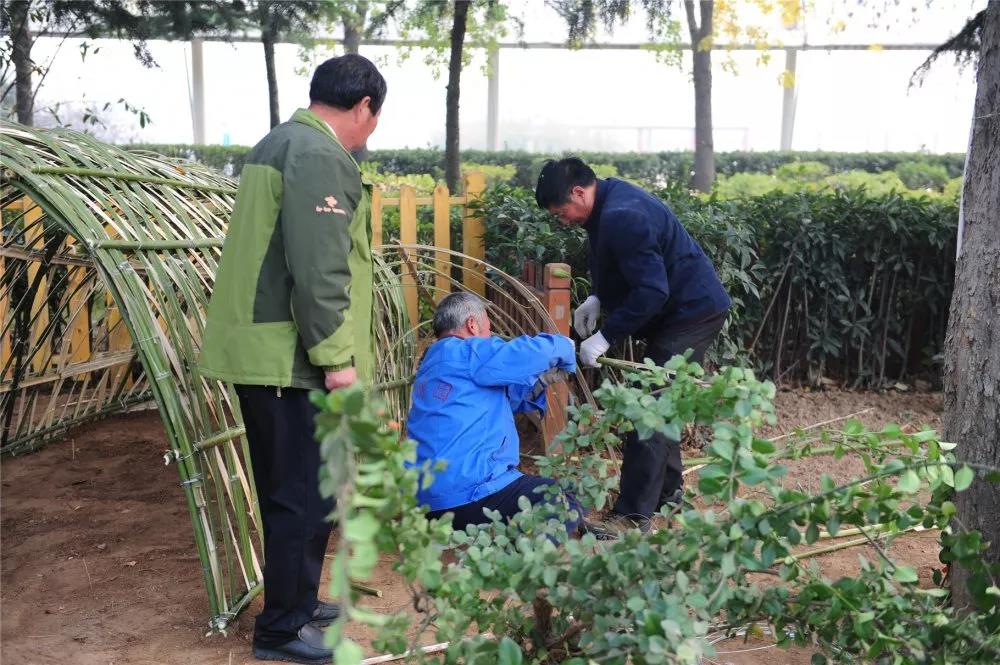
536,596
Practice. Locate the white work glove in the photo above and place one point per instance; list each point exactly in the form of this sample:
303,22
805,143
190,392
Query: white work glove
593,348
585,316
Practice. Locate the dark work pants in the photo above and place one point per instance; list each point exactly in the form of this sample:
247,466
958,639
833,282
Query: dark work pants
505,503
285,458
651,468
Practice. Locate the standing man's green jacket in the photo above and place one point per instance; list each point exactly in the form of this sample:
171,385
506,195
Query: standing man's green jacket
293,294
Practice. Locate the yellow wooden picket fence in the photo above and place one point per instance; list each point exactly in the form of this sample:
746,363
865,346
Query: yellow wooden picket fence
441,199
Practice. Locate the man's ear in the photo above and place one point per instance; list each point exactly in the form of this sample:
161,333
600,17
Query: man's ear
364,102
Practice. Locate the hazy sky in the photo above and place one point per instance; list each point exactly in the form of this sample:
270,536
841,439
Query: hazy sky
560,99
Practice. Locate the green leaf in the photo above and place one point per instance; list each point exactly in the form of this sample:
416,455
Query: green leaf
908,482
636,604
906,575
853,427
348,652
508,653
818,659
964,478
948,509
763,446
723,449
360,528
812,534
947,476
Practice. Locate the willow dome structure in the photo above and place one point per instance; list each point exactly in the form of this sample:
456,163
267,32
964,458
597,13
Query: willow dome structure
108,259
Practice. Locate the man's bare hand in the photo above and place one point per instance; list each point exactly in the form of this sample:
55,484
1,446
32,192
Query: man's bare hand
341,378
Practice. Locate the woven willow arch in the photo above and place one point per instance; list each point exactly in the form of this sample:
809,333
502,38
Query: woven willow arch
108,259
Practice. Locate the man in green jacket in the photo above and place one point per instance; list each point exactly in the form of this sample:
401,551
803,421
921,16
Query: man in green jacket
291,312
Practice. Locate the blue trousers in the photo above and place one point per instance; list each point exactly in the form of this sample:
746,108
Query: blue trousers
505,503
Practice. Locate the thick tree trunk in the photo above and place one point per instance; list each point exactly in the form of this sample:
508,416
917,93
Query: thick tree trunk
704,146
972,357
452,172
352,37
267,39
21,55
353,19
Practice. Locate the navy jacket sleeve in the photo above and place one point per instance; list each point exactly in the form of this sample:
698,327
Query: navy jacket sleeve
494,362
641,262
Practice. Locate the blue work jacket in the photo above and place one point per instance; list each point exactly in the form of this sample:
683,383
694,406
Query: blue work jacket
465,395
646,269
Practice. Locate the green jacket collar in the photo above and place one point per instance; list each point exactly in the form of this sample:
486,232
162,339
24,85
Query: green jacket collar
307,117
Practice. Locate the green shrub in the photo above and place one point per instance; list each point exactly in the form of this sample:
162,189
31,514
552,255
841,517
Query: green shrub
605,170
422,183
826,284
517,231
921,175
953,189
654,169
532,594
802,171
875,184
496,174
743,185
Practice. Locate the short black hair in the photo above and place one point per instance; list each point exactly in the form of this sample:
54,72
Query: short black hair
558,178
346,80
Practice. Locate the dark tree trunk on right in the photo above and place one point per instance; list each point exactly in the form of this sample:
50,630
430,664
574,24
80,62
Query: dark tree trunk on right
21,55
972,356
701,53
452,171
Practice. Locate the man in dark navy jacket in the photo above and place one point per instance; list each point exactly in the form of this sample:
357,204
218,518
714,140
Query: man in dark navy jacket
654,282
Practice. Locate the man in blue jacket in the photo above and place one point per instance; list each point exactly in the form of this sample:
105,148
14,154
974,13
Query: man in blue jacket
654,282
466,392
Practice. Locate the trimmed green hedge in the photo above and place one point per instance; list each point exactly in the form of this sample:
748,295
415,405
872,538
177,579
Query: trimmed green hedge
655,169
826,285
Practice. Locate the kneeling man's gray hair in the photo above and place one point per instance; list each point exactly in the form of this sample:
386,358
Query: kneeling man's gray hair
455,309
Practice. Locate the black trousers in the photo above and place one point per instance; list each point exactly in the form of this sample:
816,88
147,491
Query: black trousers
505,503
285,458
651,468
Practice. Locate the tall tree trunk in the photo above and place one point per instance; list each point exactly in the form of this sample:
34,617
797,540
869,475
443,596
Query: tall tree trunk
352,37
20,12
704,146
353,18
452,171
972,356
268,39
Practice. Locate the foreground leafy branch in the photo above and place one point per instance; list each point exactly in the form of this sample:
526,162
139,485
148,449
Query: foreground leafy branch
525,592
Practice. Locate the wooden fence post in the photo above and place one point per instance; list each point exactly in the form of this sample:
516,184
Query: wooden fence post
556,299
473,244
79,311
34,239
442,240
408,236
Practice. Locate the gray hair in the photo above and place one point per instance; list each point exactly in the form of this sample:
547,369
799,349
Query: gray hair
455,309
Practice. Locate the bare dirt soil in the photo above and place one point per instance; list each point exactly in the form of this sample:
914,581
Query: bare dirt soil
99,564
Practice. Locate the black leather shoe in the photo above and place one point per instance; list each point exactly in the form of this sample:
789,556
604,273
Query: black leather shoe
324,614
307,648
